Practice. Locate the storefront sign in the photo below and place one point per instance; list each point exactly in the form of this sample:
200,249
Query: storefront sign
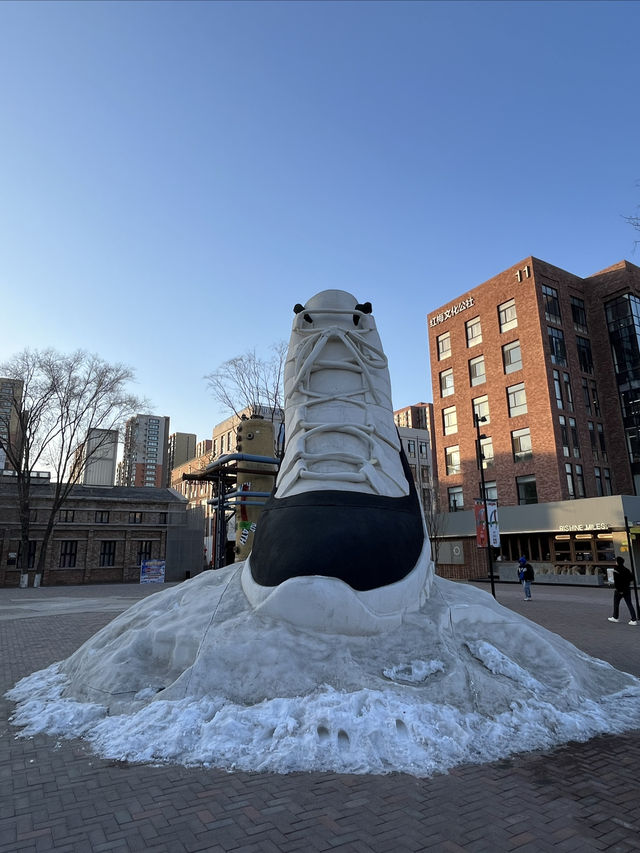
596,525
448,313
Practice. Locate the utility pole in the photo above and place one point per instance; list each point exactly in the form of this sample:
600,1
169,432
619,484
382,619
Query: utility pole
478,420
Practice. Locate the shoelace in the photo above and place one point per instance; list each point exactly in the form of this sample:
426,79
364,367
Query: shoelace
364,359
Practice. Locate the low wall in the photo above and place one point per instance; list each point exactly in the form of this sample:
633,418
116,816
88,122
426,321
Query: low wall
546,573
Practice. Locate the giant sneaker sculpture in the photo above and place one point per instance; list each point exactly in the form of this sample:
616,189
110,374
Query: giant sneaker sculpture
270,664
345,507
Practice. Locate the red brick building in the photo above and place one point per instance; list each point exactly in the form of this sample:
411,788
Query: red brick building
550,364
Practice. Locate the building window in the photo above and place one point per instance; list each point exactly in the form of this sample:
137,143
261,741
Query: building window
596,401
476,370
144,551
598,476
31,556
490,490
481,409
579,481
607,482
579,315
570,487
455,498
517,400
512,357
527,491
422,448
551,305
603,446
474,332
584,354
446,383
557,347
568,393
507,315
102,516
68,553
65,516
574,437
449,420
521,444
564,435
162,518
135,518
558,389
411,447
444,345
586,395
452,456
486,452
107,553
592,439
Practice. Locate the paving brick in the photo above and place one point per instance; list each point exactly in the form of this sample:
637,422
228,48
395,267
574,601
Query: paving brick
60,797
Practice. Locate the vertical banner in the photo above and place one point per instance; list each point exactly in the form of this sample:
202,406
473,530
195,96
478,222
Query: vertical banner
494,528
487,531
481,523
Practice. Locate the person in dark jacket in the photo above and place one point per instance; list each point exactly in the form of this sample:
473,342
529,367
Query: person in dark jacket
526,575
622,578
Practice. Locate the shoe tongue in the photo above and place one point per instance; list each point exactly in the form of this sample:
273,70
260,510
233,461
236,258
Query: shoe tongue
336,299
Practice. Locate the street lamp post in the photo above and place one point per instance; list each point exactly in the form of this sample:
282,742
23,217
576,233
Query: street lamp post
478,419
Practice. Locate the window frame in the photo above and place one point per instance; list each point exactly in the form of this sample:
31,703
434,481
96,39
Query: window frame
512,391
507,323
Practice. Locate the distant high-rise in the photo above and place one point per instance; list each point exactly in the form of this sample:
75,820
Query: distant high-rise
182,447
99,454
11,391
145,456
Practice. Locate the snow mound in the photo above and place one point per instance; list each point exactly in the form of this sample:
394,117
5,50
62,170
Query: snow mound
194,675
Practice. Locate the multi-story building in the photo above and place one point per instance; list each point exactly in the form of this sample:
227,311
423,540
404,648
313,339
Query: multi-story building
11,391
414,417
98,454
101,535
181,448
531,361
145,456
536,377
199,493
417,448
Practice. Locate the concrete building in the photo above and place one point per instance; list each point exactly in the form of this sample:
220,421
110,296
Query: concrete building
145,457
11,391
99,456
101,534
181,448
550,364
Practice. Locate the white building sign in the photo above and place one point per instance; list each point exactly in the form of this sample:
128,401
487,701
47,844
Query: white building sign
448,313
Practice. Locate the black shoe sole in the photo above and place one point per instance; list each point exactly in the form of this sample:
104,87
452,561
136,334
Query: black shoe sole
367,541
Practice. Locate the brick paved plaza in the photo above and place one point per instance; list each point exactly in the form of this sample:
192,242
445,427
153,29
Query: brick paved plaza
59,796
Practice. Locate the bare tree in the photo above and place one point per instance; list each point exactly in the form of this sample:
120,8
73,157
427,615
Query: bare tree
250,382
634,221
436,522
57,400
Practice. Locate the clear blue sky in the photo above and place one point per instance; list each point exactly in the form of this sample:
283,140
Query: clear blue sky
174,177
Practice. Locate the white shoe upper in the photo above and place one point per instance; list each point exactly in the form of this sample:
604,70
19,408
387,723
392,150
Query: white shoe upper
339,427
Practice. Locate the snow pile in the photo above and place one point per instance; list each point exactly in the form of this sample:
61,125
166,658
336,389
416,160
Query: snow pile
194,675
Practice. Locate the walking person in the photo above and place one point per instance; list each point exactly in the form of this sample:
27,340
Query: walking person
622,578
526,575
